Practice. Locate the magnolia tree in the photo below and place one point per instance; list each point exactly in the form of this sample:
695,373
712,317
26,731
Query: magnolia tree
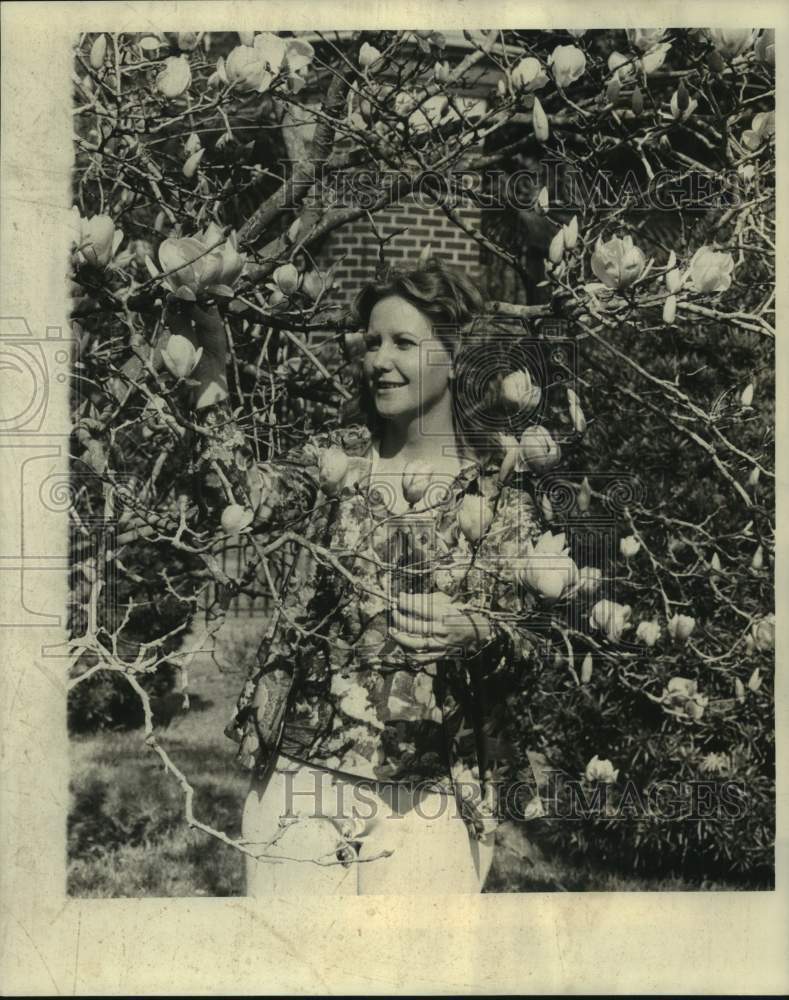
639,173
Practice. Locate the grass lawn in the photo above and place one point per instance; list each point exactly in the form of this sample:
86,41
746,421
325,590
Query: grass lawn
128,835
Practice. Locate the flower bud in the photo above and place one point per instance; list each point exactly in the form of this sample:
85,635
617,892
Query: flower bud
332,468
611,618
98,51
441,72
286,278
637,101
648,632
571,233
191,165
540,121
680,627
673,277
586,669
577,417
755,680
556,247
180,356
613,90
746,396
416,479
757,562
584,498
543,200
546,508
739,690
670,310
629,546
474,517
715,562
368,54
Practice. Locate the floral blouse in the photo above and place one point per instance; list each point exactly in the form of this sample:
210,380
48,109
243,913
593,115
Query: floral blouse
330,687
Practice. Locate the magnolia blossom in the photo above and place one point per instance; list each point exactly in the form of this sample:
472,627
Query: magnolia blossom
623,67
731,42
681,104
682,697
417,476
629,546
332,467
510,447
368,55
517,394
652,60
180,356
617,262
648,632
430,113
601,770
199,265
611,618
474,517
568,64
547,567
538,450
763,633
645,38
680,627
286,278
528,75
710,270
570,232
176,76
235,518
762,126
764,46
589,579
253,67
95,239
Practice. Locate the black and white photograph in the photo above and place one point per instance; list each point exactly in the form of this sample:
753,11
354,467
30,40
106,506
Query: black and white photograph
416,465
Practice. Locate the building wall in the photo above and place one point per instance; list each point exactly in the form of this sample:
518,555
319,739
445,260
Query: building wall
417,225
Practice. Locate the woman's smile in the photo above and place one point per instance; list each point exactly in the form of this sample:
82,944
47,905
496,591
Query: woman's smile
405,366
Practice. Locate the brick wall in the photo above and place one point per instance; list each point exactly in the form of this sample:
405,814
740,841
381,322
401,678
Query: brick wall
417,224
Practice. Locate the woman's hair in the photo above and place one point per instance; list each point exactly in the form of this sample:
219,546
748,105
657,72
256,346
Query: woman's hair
450,300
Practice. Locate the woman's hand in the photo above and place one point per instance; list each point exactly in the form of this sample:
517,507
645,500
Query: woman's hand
431,626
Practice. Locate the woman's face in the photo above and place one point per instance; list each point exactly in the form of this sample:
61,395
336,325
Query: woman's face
406,368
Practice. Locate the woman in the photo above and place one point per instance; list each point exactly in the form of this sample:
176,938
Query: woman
365,722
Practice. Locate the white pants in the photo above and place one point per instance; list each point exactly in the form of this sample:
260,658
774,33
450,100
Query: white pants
318,833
